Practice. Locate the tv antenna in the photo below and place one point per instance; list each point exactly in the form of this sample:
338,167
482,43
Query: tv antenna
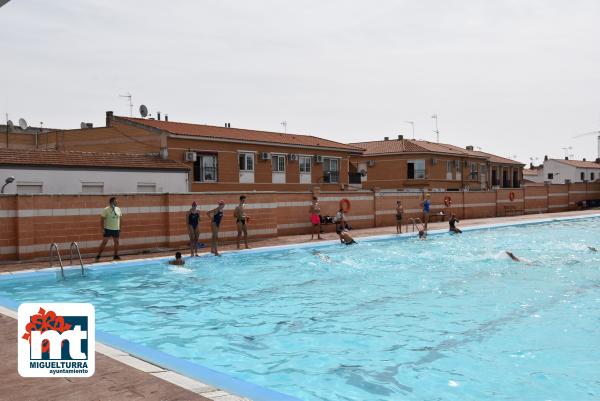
128,96
591,133
413,127
284,123
143,111
437,132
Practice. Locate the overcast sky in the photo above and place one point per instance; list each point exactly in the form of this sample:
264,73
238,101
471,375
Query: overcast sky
512,77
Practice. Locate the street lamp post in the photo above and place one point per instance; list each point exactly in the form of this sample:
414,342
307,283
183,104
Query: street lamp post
6,182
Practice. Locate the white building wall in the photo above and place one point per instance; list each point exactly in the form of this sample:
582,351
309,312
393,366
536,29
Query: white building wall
562,172
70,181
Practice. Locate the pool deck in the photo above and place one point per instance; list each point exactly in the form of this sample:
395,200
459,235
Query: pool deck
120,376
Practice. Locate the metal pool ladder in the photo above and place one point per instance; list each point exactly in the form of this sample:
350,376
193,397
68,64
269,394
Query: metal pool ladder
54,247
414,222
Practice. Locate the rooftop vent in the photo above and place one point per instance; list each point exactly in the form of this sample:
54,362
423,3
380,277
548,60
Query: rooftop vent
584,159
546,158
566,157
166,117
387,138
470,147
598,160
400,137
227,125
158,115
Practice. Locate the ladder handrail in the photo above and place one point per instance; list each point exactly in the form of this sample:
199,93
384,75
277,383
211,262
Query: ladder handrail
76,246
54,246
415,221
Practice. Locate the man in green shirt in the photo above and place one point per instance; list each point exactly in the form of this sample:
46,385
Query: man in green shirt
110,221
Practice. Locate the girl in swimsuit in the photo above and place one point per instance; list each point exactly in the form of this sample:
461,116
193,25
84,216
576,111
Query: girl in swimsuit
315,218
241,218
215,216
193,220
399,211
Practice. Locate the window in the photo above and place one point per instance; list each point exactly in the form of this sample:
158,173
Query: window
550,176
278,163
205,168
592,176
246,161
416,169
473,171
449,168
331,170
146,187
305,164
92,187
30,187
582,176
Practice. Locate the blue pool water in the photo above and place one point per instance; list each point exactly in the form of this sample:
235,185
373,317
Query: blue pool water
449,318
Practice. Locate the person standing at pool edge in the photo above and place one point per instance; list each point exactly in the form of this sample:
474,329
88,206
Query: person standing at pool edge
399,211
315,217
193,220
426,204
215,216
110,221
241,219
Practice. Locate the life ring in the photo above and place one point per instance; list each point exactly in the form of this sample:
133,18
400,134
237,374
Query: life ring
511,196
447,201
345,205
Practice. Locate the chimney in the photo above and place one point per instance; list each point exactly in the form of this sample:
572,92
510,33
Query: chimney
109,118
400,137
584,159
598,160
158,115
470,147
546,158
566,157
531,166
166,117
387,138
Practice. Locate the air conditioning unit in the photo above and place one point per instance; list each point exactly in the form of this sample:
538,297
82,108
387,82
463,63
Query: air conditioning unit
265,156
434,161
190,156
370,163
292,157
318,159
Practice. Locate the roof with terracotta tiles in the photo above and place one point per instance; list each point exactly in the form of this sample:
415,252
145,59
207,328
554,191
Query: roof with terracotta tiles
395,146
578,163
242,135
533,172
54,158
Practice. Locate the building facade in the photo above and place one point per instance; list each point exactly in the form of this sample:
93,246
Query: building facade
414,164
559,171
59,172
222,158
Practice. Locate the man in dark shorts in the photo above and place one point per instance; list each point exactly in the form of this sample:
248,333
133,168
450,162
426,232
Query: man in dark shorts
110,221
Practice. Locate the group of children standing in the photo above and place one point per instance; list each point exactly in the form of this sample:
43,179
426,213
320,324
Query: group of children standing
422,226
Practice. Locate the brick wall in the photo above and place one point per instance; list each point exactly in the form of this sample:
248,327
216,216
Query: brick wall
29,223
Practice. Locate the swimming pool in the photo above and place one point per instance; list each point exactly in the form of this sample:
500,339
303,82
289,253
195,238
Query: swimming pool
449,318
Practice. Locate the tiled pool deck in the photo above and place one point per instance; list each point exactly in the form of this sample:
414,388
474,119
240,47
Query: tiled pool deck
120,376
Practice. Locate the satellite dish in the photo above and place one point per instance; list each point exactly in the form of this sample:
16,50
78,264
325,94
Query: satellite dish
143,110
10,125
23,124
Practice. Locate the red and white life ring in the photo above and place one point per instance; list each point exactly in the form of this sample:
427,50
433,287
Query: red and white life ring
447,201
345,205
511,196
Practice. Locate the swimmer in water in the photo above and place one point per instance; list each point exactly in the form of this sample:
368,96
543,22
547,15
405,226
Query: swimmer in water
345,238
593,249
178,261
512,256
321,256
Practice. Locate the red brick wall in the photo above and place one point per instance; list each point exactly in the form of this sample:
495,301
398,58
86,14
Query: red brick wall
29,223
